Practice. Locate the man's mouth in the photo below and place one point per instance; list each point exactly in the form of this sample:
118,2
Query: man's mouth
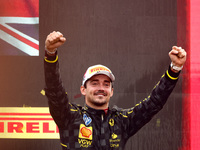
99,93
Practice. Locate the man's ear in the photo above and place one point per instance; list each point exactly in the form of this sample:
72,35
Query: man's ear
82,89
112,92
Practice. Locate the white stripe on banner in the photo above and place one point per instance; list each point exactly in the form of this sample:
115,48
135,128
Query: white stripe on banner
18,44
22,20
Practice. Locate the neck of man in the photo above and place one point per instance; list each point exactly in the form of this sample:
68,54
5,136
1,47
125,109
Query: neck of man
98,107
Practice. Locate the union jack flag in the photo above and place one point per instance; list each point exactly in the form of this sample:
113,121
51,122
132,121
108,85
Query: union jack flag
19,27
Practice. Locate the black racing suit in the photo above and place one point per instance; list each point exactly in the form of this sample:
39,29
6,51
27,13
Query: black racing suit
88,129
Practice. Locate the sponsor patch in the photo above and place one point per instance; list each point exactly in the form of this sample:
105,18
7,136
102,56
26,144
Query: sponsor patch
85,132
115,141
87,119
114,136
97,69
111,122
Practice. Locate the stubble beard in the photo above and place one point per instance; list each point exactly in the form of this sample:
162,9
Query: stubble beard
99,102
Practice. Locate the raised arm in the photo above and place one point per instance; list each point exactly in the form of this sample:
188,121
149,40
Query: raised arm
54,90
146,109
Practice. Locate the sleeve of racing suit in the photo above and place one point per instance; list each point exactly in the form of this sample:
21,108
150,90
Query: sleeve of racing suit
55,92
142,113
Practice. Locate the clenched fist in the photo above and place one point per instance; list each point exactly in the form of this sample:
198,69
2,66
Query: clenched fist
177,56
53,41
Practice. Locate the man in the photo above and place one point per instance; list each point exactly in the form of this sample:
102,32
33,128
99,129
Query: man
96,126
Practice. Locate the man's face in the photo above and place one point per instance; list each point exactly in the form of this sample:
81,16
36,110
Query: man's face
98,91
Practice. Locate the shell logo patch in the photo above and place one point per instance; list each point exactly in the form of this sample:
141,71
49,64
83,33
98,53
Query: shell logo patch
85,132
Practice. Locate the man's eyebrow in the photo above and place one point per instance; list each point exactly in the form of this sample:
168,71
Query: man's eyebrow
94,80
107,81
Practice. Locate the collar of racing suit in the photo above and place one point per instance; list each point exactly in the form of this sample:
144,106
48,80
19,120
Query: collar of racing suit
95,111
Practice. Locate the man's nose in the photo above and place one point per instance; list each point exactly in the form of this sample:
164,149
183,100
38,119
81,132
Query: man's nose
101,87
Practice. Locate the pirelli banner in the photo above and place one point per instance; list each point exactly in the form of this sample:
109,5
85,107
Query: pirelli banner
27,123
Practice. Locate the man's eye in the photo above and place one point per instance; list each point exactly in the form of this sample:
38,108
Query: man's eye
94,83
107,84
